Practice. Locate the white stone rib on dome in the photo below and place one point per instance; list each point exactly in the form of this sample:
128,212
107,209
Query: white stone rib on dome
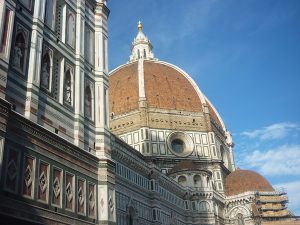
193,83
217,113
202,97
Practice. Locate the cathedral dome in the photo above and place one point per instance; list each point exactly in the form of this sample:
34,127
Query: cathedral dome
158,109
147,92
241,181
166,87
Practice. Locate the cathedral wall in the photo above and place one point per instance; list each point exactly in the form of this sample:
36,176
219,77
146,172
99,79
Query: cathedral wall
44,178
149,200
145,195
177,120
204,146
238,209
126,123
160,119
155,144
55,66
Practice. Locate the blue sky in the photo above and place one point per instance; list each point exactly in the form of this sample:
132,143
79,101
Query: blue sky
245,57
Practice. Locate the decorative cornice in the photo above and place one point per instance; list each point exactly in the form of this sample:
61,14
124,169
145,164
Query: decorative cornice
42,134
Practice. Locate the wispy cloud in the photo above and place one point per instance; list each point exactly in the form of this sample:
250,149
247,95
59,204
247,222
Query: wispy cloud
274,131
293,194
193,20
283,160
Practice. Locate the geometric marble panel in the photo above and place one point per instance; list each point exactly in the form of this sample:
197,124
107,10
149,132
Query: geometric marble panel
43,181
81,196
28,176
92,201
69,192
57,187
12,171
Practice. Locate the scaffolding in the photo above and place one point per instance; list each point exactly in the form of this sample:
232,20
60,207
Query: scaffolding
272,205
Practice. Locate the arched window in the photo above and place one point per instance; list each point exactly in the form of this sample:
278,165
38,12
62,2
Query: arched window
197,181
207,181
203,206
145,55
216,209
46,71
71,30
50,13
88,102
68,87
19,52
139,54
239,219
182,180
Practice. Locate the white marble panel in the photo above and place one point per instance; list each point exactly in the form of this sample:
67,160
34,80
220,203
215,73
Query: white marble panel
161,136
199,150
154,148
204,139
129,139
197,138
153,135
136,137
205,150
162,148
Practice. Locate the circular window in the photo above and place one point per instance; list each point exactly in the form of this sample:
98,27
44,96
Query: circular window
180,144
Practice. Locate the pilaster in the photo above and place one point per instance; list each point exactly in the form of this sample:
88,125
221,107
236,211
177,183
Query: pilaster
231,157
106,191
79,77
106,174
4,116
141,80
102,133
7,15
33,81
230,145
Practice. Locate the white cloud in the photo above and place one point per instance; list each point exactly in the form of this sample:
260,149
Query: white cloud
272,132
292,189
282,160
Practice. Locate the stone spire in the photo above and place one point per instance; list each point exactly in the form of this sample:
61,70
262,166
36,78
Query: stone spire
141,47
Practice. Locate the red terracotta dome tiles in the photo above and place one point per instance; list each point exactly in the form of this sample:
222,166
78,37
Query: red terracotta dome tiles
241,181
123,94
167,88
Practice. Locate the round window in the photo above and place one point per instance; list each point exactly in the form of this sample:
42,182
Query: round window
177,145
180,144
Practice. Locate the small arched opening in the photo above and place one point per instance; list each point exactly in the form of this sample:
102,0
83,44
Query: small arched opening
182,180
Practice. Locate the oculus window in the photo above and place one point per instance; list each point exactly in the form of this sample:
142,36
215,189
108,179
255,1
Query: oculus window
180,144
